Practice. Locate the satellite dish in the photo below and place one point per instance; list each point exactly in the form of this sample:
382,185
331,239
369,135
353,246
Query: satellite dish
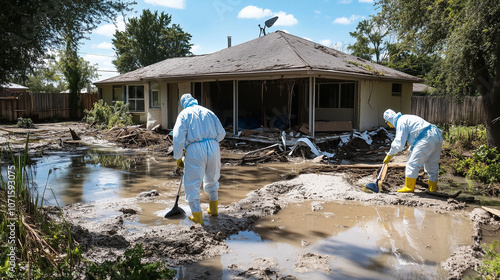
268,23
271,21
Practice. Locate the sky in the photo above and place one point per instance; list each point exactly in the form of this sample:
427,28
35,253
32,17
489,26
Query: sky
210,22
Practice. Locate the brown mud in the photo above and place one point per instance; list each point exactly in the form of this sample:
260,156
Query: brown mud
180,242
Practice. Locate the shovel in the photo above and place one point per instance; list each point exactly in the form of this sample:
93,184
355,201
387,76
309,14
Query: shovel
176,210
374,186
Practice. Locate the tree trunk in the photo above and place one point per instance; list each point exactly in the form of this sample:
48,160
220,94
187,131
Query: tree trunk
491,103
489,87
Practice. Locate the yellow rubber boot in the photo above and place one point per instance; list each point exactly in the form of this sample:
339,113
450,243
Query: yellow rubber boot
196,217
409,185
433,186
213,208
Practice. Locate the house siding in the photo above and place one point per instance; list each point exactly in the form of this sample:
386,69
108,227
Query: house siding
376,97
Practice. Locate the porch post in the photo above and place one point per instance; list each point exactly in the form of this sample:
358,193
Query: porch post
312,106
235,107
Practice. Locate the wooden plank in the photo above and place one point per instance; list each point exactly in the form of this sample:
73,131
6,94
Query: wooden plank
492,210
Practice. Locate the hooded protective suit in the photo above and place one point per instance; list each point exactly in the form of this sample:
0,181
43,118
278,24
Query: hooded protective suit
198,131
425,142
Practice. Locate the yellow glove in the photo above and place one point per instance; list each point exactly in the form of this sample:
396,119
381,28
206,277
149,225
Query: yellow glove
387,159
180,163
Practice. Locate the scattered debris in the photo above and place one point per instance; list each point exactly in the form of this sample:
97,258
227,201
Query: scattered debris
137,137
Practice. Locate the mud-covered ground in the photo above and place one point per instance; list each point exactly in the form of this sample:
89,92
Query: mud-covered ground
182,244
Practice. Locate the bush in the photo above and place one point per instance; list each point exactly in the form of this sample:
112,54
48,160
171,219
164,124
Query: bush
483,166
104,116
129,268
25,123
490,268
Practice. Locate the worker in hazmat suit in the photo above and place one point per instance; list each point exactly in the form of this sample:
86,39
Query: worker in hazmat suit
197,132
425,142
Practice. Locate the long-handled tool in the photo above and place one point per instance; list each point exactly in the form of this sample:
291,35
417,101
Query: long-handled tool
176,210
374,186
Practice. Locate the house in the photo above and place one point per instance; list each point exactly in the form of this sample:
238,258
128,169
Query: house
420,89
13,88
274,81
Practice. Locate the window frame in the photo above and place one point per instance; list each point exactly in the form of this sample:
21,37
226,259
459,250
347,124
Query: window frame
338,100
132,101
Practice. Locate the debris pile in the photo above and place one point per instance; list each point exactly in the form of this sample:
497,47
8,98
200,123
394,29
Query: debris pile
137,137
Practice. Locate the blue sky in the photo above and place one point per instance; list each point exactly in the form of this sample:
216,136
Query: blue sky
327,22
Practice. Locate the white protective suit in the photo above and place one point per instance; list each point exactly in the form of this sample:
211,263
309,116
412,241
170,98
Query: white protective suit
425,142
198,131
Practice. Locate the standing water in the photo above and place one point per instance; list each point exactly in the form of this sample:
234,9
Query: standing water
335,240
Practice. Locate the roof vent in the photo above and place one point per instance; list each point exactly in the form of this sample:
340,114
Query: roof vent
268,23
228,41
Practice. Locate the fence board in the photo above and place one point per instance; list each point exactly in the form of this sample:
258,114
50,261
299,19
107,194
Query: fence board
41,106
467,111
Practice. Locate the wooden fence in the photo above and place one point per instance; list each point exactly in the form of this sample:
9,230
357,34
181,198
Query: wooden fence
41,106
468,111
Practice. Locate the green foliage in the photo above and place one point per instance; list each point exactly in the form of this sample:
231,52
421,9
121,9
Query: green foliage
483,166
46,79
464,137
465,34
39,241
130,268
30,28
104,116
369,37
25,123
490,268
149,39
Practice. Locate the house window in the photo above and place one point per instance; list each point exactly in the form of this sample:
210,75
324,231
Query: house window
397,89
154,96
118,93
335,95
136,98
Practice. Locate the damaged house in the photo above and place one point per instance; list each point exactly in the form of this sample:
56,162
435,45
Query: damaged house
278,81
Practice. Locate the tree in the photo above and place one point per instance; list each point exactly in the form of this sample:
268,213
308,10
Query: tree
416,64
77,72
46,79
466,33
369,36
30,28
148,40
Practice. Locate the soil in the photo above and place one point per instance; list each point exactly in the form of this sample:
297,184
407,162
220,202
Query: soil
181,244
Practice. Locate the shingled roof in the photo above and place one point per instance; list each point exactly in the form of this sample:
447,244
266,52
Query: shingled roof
274,52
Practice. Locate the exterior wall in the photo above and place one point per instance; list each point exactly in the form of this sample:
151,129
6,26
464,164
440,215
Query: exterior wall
107,94
184,88
375,97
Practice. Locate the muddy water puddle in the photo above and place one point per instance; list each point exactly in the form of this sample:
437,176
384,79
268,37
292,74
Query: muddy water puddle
108,175
344,241
309,240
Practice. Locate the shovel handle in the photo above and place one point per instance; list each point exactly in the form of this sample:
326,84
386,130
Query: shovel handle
380,172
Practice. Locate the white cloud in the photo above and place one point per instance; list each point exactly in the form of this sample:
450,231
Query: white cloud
307,38
346,1
195,49
365,1
254,12
346,21
103,45
326,42
339,46
285,19
108,30
174,4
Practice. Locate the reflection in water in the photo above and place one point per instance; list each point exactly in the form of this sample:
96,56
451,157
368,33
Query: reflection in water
95,174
